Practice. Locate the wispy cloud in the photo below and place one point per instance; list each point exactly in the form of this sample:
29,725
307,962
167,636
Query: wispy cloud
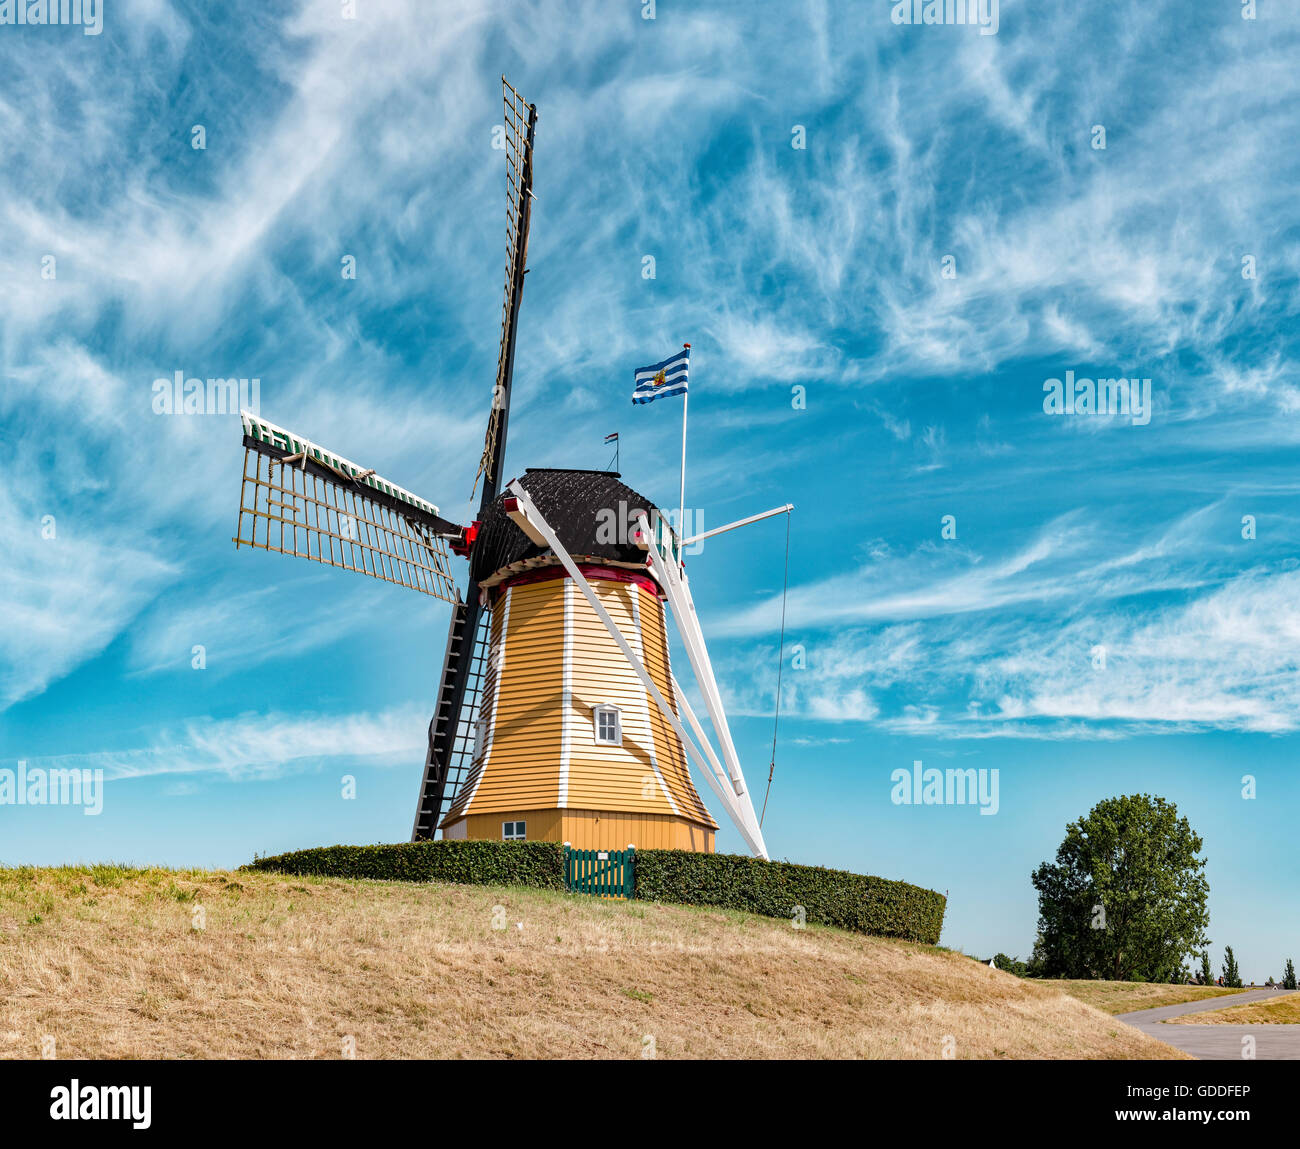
91,585
1066,636
1224,660
238,626
820,265
256,747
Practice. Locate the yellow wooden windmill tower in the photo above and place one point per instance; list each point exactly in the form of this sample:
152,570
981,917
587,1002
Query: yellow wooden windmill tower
570,745
559,716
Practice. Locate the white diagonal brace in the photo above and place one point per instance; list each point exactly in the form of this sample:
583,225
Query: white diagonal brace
717,778
685,708
527,507
717,781
679,598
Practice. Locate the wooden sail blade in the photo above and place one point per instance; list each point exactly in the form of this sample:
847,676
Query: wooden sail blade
299,499
519,123
450,754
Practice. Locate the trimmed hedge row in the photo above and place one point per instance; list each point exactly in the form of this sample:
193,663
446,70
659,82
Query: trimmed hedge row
728,881
476,862
856,902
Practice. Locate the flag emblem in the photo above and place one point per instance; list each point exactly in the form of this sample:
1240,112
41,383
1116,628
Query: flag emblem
662,379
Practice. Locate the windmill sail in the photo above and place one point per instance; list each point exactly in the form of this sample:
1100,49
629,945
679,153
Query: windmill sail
520,122
452,728
443,763
300,499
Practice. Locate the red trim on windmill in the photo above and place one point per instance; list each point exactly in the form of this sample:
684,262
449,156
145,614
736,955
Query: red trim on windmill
462,545
590,571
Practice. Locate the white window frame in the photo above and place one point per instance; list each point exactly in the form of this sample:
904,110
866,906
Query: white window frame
517,833
607,708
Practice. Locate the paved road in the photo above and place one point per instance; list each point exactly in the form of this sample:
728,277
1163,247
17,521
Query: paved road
1220,1042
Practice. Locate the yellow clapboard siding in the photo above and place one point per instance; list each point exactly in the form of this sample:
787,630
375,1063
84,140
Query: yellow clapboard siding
593,829
523,730
596,796
540,825
601,830
614,778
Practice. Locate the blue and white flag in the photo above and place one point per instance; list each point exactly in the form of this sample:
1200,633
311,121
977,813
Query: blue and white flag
660,379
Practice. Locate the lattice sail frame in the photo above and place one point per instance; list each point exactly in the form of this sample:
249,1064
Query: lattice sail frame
299,499
518,114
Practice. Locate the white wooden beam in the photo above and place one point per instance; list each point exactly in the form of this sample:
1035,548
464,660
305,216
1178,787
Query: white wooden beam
785,510
677,589
673,581
520,518
684,706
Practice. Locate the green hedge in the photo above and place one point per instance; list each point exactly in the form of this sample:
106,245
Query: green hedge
475,862
829,897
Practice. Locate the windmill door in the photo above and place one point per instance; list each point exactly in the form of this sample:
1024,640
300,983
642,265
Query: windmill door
605,873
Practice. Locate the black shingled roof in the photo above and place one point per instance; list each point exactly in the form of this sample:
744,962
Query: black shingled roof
571,502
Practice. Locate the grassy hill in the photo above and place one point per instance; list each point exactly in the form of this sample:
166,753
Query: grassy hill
108,961
1276,1011
1126,996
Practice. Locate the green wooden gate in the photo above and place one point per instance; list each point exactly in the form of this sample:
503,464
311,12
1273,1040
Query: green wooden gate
605,873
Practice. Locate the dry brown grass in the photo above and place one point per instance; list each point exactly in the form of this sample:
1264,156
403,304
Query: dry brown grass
1128,996
1275,1011
107,962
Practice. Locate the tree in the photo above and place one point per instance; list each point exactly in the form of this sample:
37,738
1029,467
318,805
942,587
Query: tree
1207,974
1231,975
1125,898
1288,975
1036,966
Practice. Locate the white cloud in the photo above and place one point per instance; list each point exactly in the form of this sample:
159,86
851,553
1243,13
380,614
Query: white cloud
295,611
91,583
263,746
1225,659
373,136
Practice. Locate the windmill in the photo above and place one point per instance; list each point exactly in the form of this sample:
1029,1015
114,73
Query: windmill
558,716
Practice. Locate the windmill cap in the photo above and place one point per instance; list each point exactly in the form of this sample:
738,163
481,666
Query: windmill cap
592,513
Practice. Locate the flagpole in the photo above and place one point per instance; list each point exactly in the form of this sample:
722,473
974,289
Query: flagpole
681,509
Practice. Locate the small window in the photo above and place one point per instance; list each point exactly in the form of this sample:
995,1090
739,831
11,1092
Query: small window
514,831
609,730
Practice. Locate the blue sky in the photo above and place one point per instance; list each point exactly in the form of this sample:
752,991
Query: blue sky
818,268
